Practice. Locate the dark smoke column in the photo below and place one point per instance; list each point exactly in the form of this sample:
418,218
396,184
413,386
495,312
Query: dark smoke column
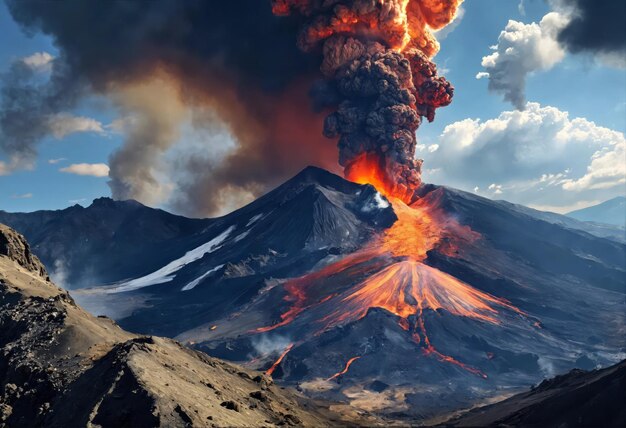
380,80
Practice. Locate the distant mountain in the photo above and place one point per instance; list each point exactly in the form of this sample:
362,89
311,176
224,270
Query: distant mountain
62,367
576,399
507,296
107,241
612,211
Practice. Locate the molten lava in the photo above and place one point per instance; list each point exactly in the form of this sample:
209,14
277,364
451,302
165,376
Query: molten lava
279,360
389,273
345,369
369,168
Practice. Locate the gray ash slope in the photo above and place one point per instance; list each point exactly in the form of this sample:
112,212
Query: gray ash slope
576,399
61,366
226,280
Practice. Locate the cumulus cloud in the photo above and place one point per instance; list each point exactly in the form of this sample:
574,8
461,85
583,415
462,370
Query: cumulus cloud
64,124
538,156
521,50
91,169
594,27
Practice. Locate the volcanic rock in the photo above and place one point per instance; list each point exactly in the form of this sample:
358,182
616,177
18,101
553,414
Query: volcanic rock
576,399
60,366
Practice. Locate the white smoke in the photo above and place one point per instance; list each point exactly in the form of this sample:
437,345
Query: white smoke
270,344
60,273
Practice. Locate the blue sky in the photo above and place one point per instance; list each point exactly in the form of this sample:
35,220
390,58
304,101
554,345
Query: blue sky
580,85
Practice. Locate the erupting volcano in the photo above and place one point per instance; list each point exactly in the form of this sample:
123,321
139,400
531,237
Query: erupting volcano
381,81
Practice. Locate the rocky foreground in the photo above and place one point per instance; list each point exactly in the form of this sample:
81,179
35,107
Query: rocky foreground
577,399
60,367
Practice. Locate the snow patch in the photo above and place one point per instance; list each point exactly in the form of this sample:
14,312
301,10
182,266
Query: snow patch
199,279
254,220
377,203
241,236
166,273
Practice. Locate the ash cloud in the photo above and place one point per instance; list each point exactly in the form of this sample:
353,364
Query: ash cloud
380,80
597,26
232,57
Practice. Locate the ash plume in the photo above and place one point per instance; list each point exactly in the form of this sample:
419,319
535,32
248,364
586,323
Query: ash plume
27,106
232,57
380,80
241,62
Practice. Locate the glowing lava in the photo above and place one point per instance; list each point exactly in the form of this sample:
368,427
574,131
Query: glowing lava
279,360
389,273
345,369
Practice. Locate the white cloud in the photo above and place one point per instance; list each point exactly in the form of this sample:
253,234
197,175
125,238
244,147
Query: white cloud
39,61
56,161
92,169
64,124
538,156
495,188
522,49
22,196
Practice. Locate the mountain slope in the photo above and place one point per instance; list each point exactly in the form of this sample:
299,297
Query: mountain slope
484,297
107,241
63,367
612,211
576,399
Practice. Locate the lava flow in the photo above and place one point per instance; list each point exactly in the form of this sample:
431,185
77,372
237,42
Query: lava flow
389,273
279,360
345,369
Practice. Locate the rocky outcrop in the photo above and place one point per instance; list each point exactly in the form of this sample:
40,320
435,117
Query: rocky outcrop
60,367
14,246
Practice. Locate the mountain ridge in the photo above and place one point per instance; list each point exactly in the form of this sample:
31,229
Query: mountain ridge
612,211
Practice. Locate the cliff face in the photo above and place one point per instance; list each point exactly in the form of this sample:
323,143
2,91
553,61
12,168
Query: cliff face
14,247
60,366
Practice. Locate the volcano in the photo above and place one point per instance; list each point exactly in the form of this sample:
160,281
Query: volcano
403,308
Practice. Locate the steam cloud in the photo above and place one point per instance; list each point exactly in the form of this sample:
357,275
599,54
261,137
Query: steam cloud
380,80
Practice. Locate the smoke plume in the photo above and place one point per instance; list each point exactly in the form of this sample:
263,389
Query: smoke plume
167,63
380,81
234,58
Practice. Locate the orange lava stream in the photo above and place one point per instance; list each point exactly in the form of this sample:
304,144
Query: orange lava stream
390,273
345,369
279,360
